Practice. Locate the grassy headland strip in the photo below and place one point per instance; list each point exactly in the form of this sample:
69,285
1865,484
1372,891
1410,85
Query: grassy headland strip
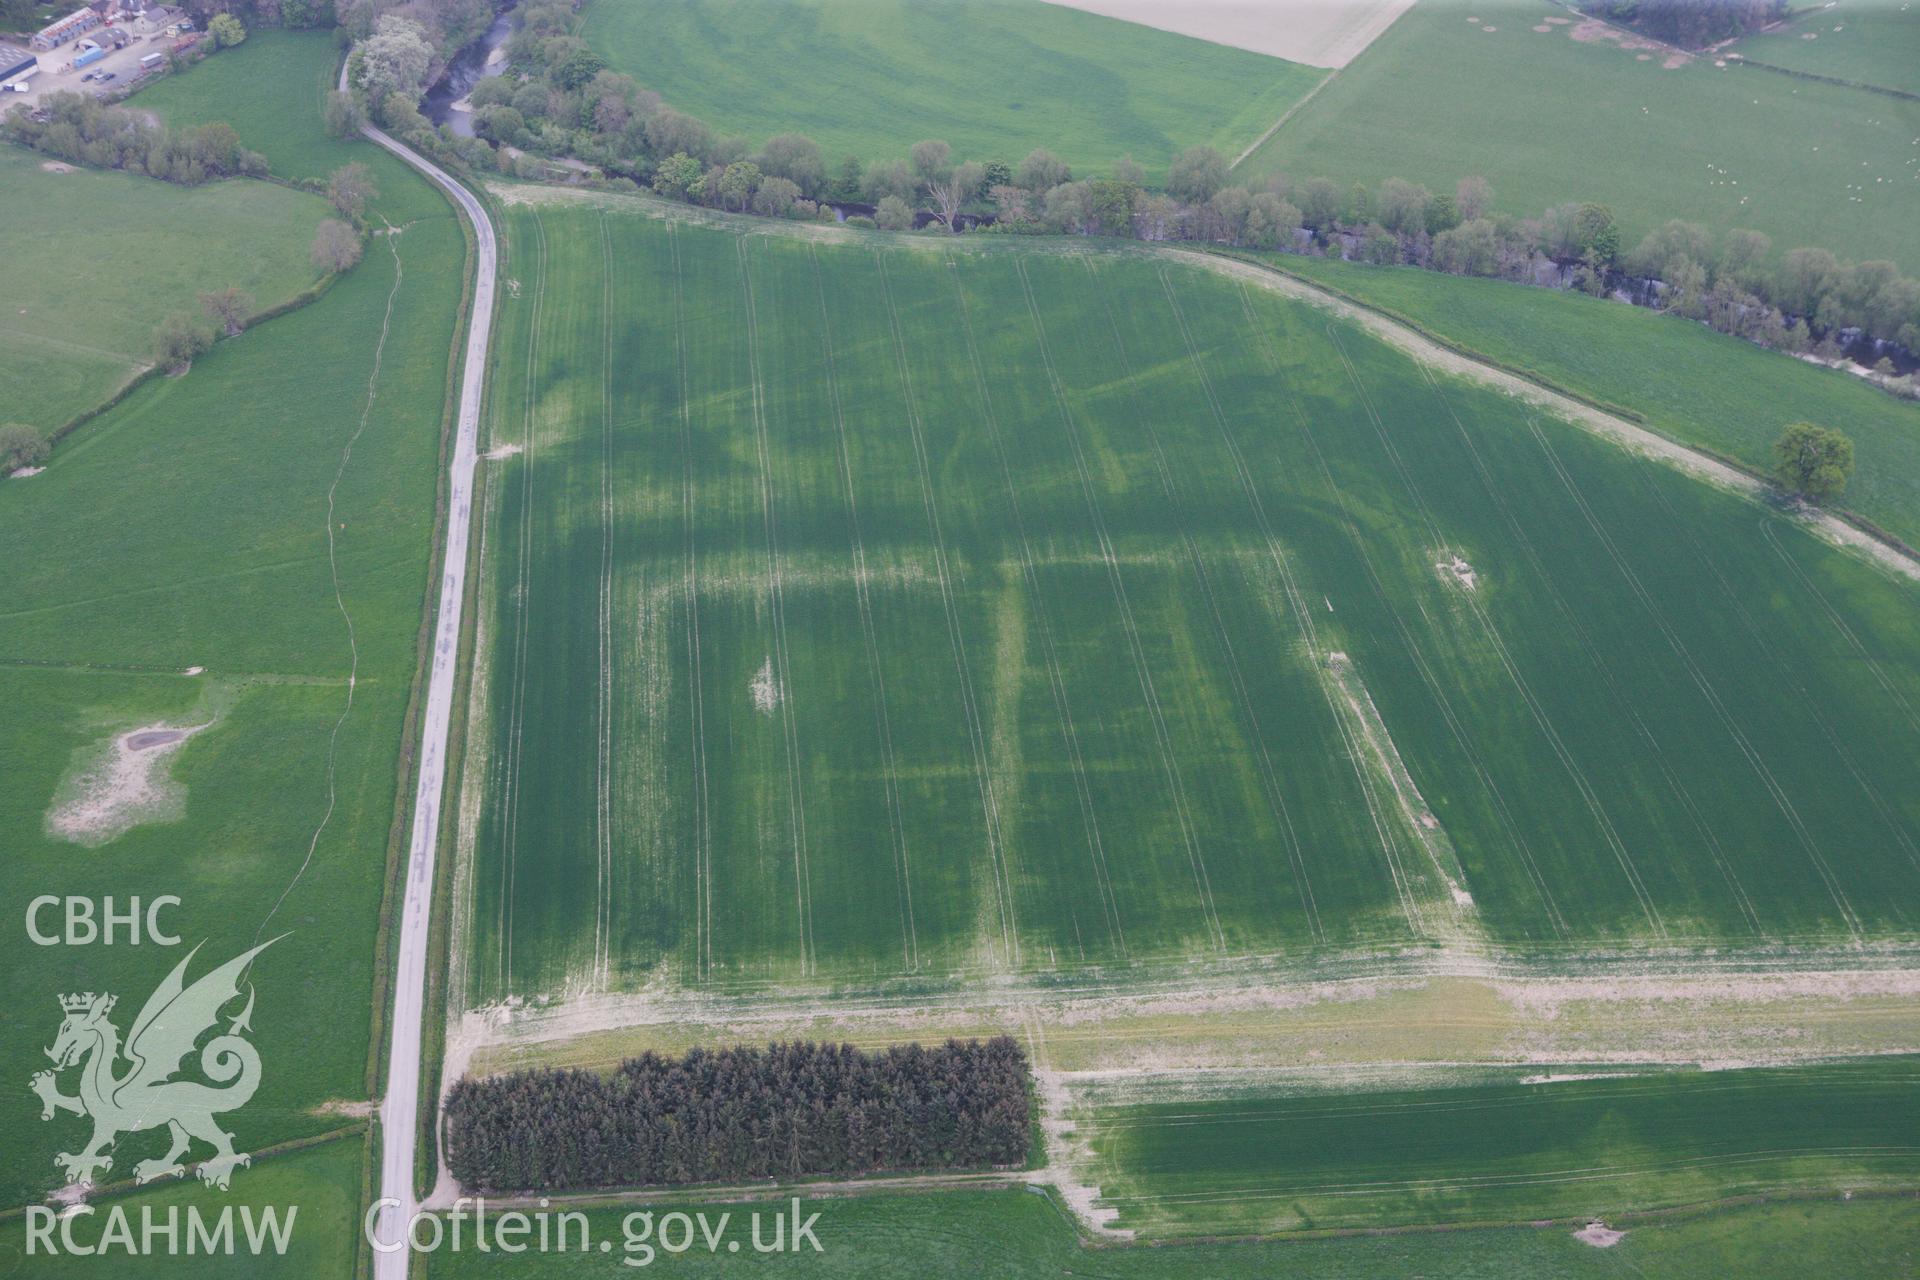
1627,428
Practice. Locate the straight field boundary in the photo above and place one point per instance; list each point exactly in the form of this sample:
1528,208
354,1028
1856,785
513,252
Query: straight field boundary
1842,529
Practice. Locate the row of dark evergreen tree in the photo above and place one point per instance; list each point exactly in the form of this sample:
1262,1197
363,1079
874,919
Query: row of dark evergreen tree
789,1110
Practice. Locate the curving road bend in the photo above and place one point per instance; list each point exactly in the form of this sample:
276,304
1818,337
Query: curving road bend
400,1111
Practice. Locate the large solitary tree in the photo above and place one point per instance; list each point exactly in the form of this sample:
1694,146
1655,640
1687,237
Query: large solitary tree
1813,462
336,246
349,188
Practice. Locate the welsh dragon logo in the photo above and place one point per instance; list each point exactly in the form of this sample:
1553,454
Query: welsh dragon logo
145,1095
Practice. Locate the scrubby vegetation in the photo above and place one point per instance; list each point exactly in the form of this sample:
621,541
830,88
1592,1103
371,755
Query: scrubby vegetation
786,1111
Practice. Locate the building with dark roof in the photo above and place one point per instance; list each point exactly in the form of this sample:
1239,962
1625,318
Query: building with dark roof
15,61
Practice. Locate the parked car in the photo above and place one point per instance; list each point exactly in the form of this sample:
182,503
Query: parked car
109,75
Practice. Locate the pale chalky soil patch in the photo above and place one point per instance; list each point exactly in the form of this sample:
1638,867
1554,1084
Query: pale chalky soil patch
124,783
1320,33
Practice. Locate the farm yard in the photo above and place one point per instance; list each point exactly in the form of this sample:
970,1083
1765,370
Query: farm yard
1551,109
818,644
996,80
78,321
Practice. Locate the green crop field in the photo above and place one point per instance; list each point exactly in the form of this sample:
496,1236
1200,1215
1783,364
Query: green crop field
1685,380
1503,1152
321,1184
1875,42
1020,1235
94,260
1549,119
854,610
870,78
191,527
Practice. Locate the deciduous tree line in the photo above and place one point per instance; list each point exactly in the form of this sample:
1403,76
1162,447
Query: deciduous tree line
785,1111
560,99
86,131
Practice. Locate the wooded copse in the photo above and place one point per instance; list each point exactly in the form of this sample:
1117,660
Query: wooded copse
786,1111
82,130
1691,24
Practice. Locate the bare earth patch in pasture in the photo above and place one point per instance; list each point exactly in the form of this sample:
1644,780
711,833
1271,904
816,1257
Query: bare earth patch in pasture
119,785
1599,1235
1320,33
21,473
1593,31
55,166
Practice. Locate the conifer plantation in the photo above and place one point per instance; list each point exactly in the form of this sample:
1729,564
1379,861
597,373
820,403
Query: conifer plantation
789,1110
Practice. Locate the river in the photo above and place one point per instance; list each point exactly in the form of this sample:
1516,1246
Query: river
446,101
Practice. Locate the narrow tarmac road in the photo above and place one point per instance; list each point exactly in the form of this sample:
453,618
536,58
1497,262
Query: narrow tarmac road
400,1111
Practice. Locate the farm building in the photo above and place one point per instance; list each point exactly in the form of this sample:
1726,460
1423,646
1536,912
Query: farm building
15,61
158,17
71,27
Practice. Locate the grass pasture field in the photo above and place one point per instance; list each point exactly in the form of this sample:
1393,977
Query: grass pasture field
1503,1151
996,80
320,1184
1874,42
176,565
271,90
854,609
96,259
1548,118
1686,381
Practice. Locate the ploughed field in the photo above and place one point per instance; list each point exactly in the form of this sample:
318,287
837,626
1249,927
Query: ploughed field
857,607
